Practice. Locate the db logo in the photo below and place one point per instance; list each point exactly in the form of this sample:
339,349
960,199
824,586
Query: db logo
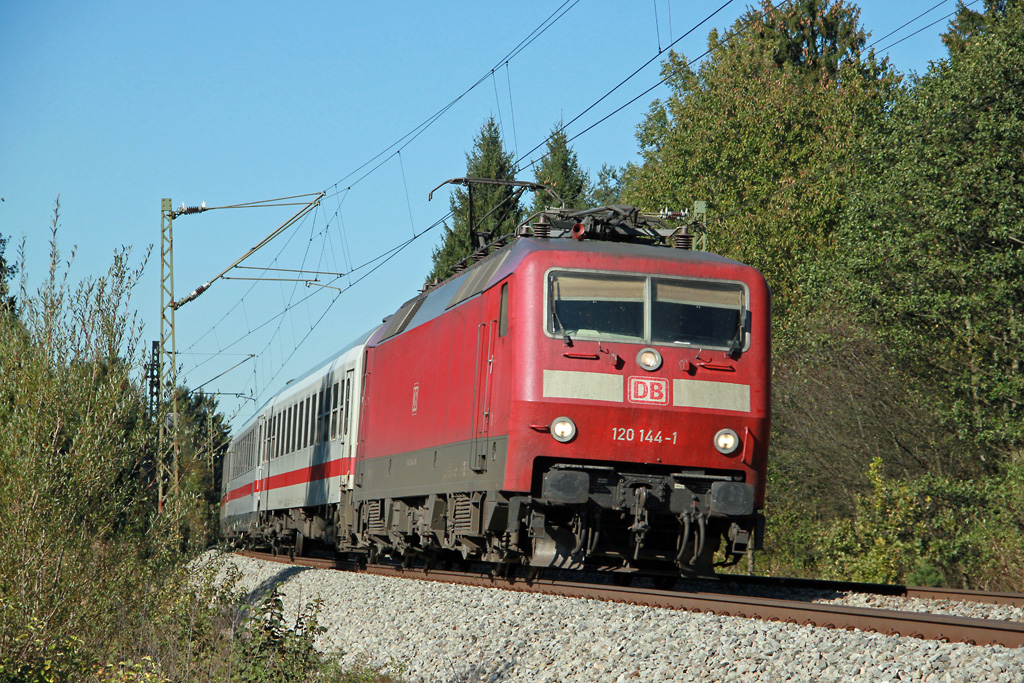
648,390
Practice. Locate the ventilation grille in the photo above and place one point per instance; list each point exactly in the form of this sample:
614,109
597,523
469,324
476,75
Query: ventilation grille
464,516
374,516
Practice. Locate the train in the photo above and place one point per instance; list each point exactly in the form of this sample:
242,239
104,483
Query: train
589,392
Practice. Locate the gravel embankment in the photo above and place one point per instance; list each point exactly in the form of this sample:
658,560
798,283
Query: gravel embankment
444,633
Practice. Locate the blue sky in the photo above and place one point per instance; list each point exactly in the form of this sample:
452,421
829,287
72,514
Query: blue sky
115,105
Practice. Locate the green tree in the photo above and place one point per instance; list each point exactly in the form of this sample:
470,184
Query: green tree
764,131
73,497
560,170
816,36
935,233
204,435
969,23
609,187
496,209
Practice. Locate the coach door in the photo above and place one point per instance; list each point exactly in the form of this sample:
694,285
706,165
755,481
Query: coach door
258,489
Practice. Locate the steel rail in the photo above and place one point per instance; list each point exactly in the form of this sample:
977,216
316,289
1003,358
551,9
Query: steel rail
889,622
896,590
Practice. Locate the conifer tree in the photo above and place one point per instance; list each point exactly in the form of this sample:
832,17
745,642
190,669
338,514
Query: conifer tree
560,170
969,23
496,209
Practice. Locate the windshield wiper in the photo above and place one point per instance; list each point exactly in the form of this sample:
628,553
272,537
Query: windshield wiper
736,345
561,330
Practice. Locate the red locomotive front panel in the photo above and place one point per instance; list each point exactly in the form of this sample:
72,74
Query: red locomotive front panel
646,369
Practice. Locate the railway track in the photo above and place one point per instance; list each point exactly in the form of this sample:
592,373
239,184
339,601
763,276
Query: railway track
794,611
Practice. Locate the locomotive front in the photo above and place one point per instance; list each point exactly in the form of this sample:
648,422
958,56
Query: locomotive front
640,409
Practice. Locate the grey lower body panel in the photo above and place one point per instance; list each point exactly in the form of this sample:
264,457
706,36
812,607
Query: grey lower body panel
475,465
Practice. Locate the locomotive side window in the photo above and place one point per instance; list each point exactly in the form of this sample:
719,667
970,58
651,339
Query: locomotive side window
503,312
596,305
695,313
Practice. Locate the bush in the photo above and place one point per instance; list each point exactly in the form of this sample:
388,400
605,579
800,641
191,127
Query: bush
926,530
94,583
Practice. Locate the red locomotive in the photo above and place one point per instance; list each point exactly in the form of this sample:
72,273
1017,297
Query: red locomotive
590,394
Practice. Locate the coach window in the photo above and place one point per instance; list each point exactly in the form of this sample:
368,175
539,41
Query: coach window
334,412
279,435
348,394
303,423
318,426
311,421
503,311
307,420
290,431
296,431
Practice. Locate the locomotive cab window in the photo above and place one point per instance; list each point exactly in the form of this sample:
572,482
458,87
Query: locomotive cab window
656,310
697,313
593,305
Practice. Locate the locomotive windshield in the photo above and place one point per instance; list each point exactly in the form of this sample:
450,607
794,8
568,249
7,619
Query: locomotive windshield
645,309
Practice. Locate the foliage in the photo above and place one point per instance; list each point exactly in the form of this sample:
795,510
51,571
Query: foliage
925,530
815,36
79,543
7,271
204,435
560,170
41,657
968,532
495,208
934,235
969,23
840,401
216,632
609,187
763,131
94,583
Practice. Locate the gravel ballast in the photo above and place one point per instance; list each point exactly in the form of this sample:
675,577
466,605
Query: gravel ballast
445,633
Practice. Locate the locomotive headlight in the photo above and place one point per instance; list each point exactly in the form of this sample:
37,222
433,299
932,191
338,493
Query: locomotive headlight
727,441
649,359
563,429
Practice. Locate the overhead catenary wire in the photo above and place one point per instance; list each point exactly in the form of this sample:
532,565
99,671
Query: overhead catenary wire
621,83
341,193
565,7
416,131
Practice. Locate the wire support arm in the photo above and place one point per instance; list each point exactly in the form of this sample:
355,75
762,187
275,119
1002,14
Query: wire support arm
284,226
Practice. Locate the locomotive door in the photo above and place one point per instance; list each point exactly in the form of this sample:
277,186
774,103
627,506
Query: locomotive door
486,334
